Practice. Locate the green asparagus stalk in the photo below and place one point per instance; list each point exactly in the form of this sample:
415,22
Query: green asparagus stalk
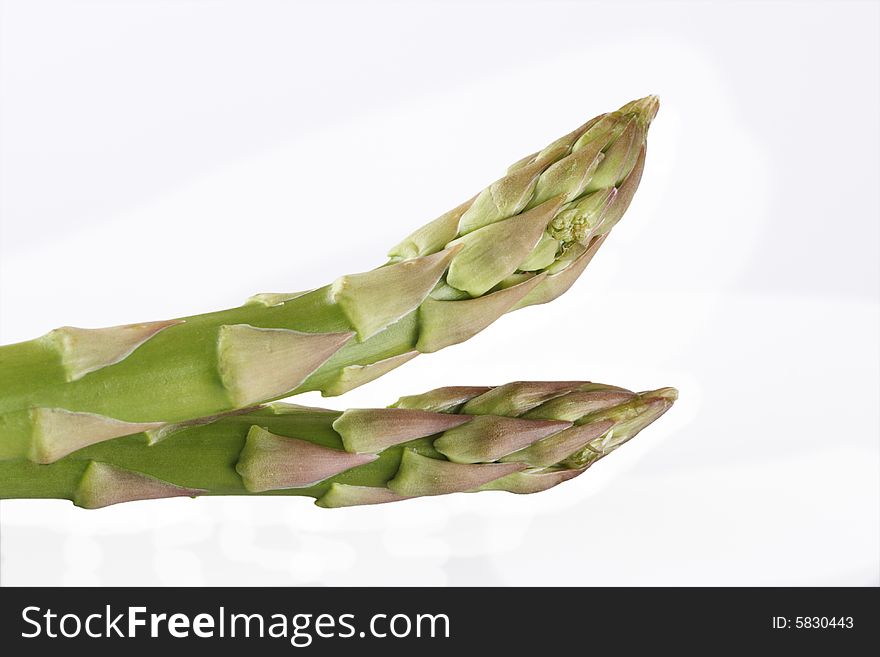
524,240
521,437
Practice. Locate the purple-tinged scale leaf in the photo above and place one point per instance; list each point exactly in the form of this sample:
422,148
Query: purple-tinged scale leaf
270,462
577,404
87,350
619,158
441,400
558,447
370,430
624,196
56,432
514,399
257,364
421,475
489,437
444,323
103,484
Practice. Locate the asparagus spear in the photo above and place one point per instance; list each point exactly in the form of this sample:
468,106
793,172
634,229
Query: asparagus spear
523,240
520,437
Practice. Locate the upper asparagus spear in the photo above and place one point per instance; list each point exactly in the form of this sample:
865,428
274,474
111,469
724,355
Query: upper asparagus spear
521,437
523,240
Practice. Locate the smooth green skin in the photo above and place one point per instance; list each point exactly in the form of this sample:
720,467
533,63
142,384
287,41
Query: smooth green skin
174,377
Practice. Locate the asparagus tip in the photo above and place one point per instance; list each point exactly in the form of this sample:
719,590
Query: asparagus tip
668,394
646,107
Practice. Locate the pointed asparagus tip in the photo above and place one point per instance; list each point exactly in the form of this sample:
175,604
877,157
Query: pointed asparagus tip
669,394
646,108
654,403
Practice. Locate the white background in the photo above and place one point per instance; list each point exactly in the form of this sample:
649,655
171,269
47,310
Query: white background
160,159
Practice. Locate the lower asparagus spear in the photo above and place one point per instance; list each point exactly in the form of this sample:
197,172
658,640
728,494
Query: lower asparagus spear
521,437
